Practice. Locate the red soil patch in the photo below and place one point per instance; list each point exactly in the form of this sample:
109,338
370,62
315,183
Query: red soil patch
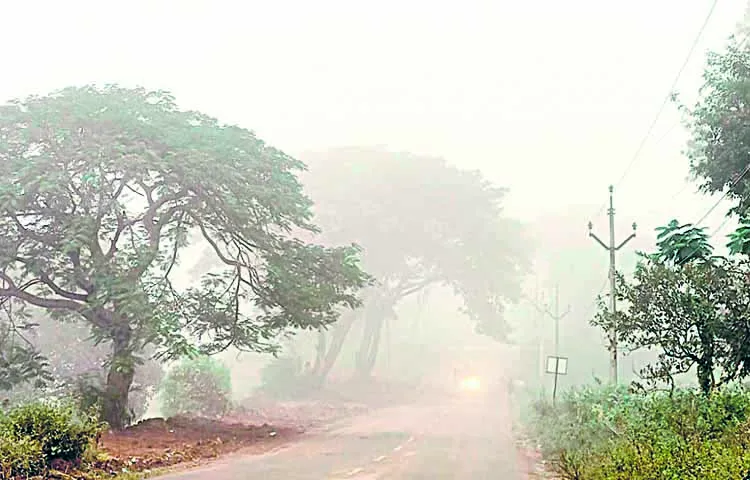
158,443
529,461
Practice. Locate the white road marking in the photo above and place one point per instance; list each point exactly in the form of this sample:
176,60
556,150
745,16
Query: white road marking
379,459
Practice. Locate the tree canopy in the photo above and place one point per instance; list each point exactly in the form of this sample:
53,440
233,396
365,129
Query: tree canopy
720,125
420,222
100,189
689,305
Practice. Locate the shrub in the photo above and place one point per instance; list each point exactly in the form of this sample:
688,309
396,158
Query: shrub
200,386
609,433
284,377
20,457
34,435
62,432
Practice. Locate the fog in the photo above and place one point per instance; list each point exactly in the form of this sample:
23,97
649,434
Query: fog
552,101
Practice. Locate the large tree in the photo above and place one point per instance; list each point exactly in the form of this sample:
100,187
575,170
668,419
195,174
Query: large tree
720,123
100,189
420,222
690,306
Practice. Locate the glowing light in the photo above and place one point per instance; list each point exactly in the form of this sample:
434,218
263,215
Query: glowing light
471,383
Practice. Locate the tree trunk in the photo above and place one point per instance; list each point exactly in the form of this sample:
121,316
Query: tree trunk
337,342
119,380
368,349
706,378
320,352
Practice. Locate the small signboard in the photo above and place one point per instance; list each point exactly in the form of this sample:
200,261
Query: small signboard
557,365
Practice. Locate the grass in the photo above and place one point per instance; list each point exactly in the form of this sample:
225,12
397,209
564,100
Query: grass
606,433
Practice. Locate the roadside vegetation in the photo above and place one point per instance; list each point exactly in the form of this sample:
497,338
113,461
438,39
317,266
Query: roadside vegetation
602,433
688,303
199,386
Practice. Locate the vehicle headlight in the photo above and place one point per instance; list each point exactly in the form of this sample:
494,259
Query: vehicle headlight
472,383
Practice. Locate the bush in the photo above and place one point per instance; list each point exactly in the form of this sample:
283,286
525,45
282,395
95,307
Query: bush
609,433
20,457
35,435
284,377
201,386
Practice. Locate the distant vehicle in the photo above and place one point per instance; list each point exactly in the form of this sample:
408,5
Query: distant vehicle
477,370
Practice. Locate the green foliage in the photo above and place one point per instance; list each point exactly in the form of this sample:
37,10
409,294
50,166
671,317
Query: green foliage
719,125
21,363
608,434
201,386
284,377
681,244
100,191
20,457
34,435
689,306
739,240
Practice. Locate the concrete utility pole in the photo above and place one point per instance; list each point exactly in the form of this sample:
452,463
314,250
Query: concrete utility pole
556,316
611,248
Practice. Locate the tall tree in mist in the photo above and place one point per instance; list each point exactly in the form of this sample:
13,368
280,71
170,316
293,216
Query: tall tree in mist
100,189
720,124
420,222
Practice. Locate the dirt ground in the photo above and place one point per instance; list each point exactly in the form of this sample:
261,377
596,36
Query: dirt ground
157,443
530,461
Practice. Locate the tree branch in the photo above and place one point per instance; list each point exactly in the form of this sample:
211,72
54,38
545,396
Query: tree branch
47,280
11,291
215,245
154,226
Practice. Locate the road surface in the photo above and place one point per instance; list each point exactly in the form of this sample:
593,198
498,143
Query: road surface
466,437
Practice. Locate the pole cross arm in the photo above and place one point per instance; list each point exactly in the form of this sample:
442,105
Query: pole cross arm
632,236
560,316
593,235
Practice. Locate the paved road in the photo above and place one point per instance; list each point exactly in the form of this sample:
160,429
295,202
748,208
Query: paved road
468,437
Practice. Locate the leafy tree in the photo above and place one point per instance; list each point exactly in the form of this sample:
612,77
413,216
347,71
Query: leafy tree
100,190
199,386
689,305
720,124
681,244
421,222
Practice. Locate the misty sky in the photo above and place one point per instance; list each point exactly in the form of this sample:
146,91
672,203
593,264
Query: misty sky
549,98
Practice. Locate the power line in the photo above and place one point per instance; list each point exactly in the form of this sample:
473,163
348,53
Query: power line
705,215
669,94
666,99
734,183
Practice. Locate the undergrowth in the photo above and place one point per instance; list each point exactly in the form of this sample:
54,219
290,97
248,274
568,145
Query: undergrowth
608,433
36,436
